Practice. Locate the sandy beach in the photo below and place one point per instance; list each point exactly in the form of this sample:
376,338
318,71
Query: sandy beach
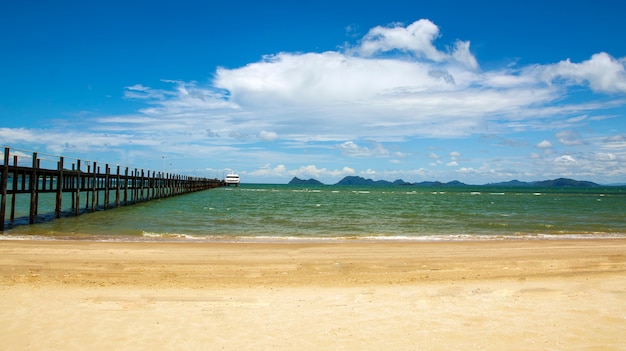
350,295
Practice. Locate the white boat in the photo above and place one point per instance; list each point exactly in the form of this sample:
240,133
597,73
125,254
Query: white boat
232,179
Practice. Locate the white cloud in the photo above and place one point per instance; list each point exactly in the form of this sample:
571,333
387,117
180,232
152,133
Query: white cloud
605,156
268,136
602,72
267,171
569,138
350,148
309,171
16,135
616,142
544,144
565,160
577,119
427,94
416,38
468,170
369,172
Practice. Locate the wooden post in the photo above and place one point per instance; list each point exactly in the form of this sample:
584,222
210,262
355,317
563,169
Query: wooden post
135,186
170,184
163,184
126,187
93,189
78,187
4,182
59,199
151,184
158,185
33,190
106,187
87,185
141,197
97,187
37,187
117,187
14,189
131,184
73,187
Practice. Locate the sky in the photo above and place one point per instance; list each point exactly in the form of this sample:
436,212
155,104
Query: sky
475,91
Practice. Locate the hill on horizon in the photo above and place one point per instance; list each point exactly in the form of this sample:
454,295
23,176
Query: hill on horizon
357,180
298,181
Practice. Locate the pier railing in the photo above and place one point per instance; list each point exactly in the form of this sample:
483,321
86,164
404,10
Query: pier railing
88,185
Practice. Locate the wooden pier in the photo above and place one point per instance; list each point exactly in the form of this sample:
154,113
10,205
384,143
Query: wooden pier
89,186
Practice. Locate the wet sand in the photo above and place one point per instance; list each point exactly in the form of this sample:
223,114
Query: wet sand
352,295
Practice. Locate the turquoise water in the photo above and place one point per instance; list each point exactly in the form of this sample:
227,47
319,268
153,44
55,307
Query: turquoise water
404,212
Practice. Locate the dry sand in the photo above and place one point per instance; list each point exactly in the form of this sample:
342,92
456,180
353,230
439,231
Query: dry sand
486,295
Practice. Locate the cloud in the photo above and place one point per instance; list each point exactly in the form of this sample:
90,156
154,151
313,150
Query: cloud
16,135
239,136
309,171
267,171
268,136
313,171
605,156
186,98
425,93
417,39
565,160
569,138
544,144
615,142
602,72
59,140
350,148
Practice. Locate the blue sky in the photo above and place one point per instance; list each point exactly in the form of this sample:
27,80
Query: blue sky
480,92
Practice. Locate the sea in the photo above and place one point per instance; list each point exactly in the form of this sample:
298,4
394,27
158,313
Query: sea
264,212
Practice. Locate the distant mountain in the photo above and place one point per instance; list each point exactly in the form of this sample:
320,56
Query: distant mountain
356,180
400,182
564,182
511,183
428,184
298,181
560,182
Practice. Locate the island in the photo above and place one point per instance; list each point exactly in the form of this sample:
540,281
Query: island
360,181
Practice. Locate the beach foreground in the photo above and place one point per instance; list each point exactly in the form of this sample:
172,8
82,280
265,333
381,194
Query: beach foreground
349,295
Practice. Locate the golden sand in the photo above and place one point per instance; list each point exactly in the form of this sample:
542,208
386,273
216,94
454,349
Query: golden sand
352,295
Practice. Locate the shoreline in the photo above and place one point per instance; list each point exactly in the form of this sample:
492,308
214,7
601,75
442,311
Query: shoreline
172,237
446,295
